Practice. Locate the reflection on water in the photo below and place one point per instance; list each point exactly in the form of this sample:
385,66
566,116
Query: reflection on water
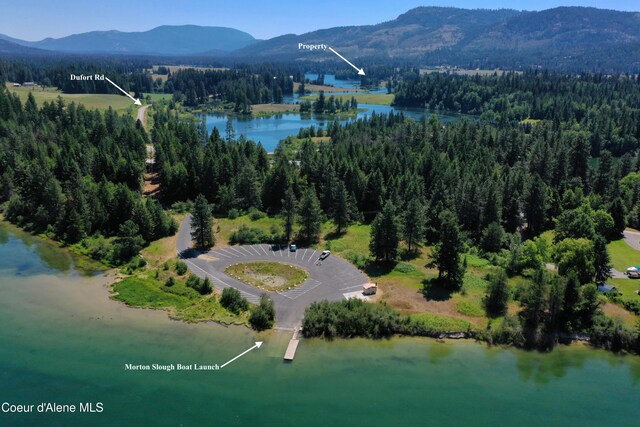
28,255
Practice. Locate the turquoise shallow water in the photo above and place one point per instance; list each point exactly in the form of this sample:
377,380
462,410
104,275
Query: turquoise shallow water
62,340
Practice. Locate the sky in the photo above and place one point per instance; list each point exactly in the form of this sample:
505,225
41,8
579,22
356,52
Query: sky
36,19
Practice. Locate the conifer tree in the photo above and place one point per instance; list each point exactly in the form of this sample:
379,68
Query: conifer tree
288,212
446,254
413,224
309,216
385,234
202,224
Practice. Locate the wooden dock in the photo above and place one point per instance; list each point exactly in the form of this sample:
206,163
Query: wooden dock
293,346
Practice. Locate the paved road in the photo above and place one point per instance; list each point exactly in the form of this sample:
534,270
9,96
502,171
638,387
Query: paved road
142,114
329,280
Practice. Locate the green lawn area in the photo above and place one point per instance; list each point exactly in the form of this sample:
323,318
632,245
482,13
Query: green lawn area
89,100
181,301
225,227
627,287
623,256
156,97
149,293
268,275
362,98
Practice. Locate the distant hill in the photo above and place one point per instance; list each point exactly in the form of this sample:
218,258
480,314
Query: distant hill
164,40
14,49
574,38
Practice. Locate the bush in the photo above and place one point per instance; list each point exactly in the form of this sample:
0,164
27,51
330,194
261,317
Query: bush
205,286
181,268
182,207
170,282
233,213
350,318
508,331
249,236
497,294
632,305
255,214
356,258
263,315
233,301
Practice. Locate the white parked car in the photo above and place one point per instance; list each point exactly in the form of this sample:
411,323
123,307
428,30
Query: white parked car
633,272
325,254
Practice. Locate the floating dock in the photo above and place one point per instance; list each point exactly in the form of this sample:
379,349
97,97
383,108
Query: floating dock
293,346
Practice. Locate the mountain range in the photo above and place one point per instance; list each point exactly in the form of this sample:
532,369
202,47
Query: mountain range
163,40
572,38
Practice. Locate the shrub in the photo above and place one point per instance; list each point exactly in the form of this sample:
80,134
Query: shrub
632,305
205,286
170,282
181,268
350,318
233,213
233,301
263,315
249,236
497,294
255,214
182,207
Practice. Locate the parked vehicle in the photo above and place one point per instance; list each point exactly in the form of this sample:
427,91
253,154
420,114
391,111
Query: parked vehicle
633,272
325,254
369,289
293,248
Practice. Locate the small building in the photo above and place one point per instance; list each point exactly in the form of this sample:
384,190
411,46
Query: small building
28,84
17,85
369,289
606,288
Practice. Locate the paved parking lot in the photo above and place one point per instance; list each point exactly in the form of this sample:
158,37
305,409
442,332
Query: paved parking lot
328,279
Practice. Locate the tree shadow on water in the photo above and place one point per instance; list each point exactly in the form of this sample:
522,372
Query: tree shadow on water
434,290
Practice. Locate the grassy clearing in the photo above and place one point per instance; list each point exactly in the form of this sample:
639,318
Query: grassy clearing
225,227
158,97
268,109
362,98
627,287
268,275
145,290
90,101
327,89
442,323
623,256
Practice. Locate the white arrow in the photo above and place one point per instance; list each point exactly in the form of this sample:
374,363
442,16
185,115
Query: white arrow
258,344
135,101
359,70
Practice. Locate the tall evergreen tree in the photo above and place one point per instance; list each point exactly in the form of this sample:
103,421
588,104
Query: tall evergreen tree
601,260
385,234
309,216
446,254
536,204
288,212
413,224
344,210
202,224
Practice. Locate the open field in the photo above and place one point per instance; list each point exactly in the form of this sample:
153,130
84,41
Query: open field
268,275
327,89
362,98
622,255
274,108
89,100
180,301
